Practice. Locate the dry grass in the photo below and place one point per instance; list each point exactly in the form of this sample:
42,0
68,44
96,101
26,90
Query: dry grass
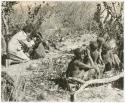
73,22
103,93
32,80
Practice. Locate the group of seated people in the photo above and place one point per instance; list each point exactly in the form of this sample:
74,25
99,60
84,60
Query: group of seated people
93,61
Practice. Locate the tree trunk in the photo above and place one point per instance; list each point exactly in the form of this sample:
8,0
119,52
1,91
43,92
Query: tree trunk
6,34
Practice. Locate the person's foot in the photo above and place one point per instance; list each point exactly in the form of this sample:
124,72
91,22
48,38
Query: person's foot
24,61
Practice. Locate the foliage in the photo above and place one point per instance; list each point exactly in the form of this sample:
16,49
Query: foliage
63,20
71,16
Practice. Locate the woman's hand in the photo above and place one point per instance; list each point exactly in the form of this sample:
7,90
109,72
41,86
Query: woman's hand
88,52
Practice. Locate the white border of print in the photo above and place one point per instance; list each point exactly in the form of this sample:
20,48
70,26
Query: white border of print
60,0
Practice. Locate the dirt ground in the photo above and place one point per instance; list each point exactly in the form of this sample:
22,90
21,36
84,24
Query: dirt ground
33,77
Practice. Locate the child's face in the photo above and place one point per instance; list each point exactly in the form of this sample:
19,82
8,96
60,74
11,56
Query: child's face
34,39
82,56
28,34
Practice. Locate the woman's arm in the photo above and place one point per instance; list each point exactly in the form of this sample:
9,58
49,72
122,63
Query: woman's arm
82,65
90,58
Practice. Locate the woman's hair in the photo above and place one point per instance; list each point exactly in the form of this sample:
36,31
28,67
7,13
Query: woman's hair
77,52
100,41
93,45
28,28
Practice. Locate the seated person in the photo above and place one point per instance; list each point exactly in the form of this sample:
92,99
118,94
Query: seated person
96,49
38,50
77,68
17,44
106,36
100,42
93,51
110,59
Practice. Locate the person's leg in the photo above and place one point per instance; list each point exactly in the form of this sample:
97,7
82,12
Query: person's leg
86,76
12,58
22,55
81,75
90,74
97,71
15,58
101,68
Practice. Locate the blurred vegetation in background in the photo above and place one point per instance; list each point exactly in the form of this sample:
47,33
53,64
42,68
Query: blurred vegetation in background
51,19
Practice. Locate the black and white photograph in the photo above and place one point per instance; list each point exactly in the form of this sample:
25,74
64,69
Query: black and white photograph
62,51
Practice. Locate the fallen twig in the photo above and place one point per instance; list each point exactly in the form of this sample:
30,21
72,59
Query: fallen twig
76,80
98,81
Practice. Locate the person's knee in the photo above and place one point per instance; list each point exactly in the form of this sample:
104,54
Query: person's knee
92,71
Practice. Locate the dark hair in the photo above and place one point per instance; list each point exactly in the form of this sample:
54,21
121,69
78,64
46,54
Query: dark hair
39,34
100,40
77,52
106,47
28,28
36,34
93,45
98,5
